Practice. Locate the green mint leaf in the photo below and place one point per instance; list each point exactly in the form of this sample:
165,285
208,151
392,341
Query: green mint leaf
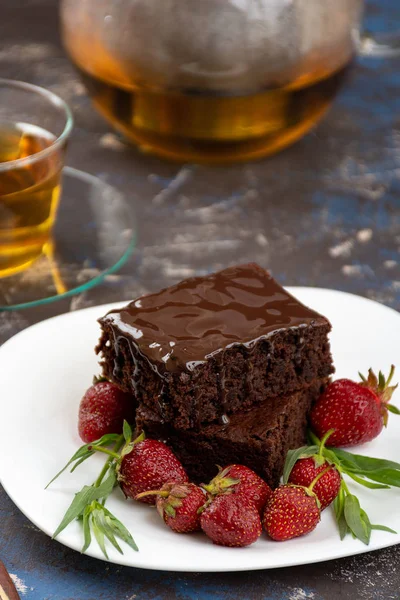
85,452
393,409
127,449
82,454
339,502
354,520
383,528
80,461
313,438
76,508
107,440
368,484
330,456
99,534
140,438
366,523
122,532
127,431
389,477
105,524
293,456
87,537
106,487
362,464
342,526
108,529
84,498
338,506
364,516
101,521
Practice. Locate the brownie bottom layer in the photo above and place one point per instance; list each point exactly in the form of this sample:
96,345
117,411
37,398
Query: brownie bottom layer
259,438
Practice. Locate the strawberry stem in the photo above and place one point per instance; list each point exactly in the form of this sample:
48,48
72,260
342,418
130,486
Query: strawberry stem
318,477
108,462
163,494
345,487
111,453
323,442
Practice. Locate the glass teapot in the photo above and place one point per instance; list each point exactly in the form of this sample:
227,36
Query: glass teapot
212,80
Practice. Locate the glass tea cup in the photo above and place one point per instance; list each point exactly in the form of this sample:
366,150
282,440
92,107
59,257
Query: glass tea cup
34,128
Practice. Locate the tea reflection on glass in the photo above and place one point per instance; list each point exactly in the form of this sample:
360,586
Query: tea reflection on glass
34,125
215,80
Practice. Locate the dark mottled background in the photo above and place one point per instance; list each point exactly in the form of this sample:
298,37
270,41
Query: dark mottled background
325,212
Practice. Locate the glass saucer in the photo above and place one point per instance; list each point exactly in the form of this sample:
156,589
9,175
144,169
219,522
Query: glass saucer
93,236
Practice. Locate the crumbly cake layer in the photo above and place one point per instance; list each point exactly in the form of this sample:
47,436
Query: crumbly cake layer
259,438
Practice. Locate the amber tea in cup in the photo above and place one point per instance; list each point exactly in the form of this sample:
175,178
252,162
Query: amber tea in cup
34,126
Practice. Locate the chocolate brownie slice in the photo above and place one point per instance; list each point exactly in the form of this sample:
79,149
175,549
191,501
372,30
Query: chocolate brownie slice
214,345
258,438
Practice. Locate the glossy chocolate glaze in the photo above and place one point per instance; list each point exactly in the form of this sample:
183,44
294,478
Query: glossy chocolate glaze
184,325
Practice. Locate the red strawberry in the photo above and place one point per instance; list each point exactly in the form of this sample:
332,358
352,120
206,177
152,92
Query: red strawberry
326,488
356,411
148,466
231,520
238,479
291,511
179,505
103,409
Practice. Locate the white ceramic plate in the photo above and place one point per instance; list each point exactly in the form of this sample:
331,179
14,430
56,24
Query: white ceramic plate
46,368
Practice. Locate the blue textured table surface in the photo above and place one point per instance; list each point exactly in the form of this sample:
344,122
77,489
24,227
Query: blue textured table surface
325,212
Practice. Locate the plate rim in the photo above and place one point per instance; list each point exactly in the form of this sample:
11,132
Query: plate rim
292,289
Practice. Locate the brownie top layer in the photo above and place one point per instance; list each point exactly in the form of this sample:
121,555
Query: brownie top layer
184,325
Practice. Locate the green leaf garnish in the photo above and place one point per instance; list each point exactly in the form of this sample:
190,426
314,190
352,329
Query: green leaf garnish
88,504
389,477
293,456
85,452
86,496
98,533
354,519
368,484
120,530
313,438
104,522
86,529
342,525
360,463
127,431
105,526
372,473
338,506
383,528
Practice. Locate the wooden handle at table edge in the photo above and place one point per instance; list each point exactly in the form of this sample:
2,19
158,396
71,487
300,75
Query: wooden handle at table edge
8,591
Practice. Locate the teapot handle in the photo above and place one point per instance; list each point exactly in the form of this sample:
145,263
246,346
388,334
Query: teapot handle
382,45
